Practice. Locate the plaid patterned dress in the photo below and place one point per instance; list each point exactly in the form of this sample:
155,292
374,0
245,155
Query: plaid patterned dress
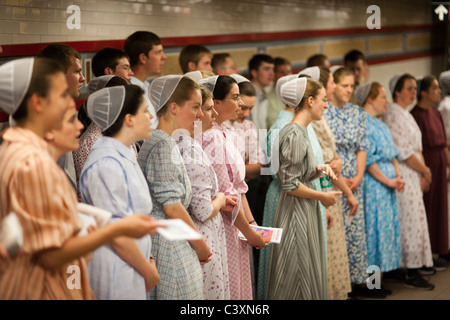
177,262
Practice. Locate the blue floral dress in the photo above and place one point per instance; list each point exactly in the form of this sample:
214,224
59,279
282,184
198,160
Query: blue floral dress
348,124
381,210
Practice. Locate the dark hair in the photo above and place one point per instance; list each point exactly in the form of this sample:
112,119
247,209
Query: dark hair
280,61
82,114
40,83
134,95
107,58
117,81
61,53
191,53
256,61
353,56
423,85
218,60
223,87
400,83
140,42
316,60
247,89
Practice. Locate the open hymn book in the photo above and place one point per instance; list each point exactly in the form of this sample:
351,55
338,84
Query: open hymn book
270,235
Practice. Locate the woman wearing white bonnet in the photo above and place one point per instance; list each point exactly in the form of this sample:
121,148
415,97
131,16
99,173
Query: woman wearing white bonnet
415,239
34,91
92,132
299,272
285,116
382,181
111,179
219,145
177,101
339,284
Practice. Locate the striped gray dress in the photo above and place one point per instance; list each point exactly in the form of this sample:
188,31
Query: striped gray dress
297,267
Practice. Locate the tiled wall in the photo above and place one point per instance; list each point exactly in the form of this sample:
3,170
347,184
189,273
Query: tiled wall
40,21
35,21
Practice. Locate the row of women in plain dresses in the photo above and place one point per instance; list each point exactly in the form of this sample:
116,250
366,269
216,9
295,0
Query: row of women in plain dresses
191,168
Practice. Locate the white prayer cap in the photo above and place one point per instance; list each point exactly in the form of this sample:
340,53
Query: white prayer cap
239,78
195,75
282,81
162,88
334,68
393,82
444,80
362,93
209,82
15,78
99,83
313,72
292,91
105,105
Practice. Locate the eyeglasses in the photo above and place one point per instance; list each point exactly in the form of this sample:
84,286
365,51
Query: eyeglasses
236,98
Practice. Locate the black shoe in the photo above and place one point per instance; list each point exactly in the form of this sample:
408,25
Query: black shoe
440,264
427,271
417,282
397,274
446,257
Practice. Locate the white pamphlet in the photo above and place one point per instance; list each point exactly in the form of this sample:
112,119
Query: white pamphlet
11,236
177,229
101,216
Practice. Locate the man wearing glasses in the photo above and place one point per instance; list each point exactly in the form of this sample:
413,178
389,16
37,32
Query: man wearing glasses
111,61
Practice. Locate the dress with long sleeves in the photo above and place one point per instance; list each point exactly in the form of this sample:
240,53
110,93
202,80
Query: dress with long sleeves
203,180
339,284
297,265
348,124
177,262
112,180
434,144
444,109
34,187
218,144
273,193
381,210
414,234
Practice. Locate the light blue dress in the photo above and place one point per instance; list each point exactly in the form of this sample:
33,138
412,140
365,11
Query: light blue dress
381,211
112,180
348,123
273,194
168,182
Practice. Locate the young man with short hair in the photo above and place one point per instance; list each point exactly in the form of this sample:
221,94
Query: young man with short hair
112,61
261,68
195,57
147,58
223,65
